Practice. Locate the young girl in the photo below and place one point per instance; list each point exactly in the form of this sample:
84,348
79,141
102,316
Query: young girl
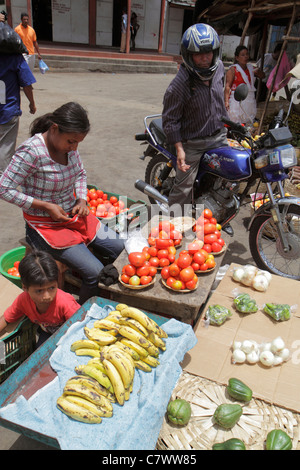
48,169
42,302
241,72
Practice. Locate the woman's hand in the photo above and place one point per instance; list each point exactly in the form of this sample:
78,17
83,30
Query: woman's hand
80,208
57,213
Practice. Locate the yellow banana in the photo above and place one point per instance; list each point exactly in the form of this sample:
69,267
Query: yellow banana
88,405
100,337
96,374
124,353
130,333
128,350
88,352
77,412
120,307
151,361
143,366
157,341
117,383
136,325
84,344
114,316
96,362
106,324
85,392
157,329
142,352
85,381
153,350
121,364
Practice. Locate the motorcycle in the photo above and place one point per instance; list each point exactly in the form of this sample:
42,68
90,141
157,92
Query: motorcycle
274,228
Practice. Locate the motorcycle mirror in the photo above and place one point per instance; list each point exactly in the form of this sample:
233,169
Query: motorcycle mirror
241,92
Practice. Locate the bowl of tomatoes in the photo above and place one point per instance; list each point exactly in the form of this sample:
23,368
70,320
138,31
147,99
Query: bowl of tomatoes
9,264
138,273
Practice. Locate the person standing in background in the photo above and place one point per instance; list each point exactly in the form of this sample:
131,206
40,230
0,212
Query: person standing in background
14,73
134,27
123,30
28,36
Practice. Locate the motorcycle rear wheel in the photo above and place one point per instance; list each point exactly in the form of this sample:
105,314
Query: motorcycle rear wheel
152,176
266,247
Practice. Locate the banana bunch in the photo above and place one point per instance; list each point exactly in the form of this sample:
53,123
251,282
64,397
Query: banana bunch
85,400
118,344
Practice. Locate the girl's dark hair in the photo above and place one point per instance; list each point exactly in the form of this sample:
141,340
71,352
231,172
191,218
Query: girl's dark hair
239,49
38,268
70,118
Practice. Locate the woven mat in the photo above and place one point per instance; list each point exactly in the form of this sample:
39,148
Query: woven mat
201,432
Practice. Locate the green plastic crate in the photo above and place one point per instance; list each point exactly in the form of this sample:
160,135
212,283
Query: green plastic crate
16,347
137,215
7,260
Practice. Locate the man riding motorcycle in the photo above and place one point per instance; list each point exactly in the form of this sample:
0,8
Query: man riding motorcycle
193,107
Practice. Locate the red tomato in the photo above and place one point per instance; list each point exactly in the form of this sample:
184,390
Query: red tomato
99,193
174,269
209,228
154,232
125,278
186,274
12,271
216,247
134,281
218,233
93,210
207,247
151,241
199,258
171,258
210,238
165,273
166,226
164,262
195,266
175,235
207,213
172,250
177,284
162,253
170,281
142,271
129,269
162,243
221,241
93,203
152,271
93,195
121,205
193,248
153,251
204,267
104,196
184,261
137,258
145,280
213,220
113,199
192,283
154,261
16,264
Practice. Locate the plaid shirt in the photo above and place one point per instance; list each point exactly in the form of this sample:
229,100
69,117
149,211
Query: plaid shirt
40,177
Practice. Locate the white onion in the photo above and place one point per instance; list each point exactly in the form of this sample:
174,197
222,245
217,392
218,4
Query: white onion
260,282
277,361
265,273
238,274
247,346
253,357
238,356
249,274
267,358
284,354
277,344
236,345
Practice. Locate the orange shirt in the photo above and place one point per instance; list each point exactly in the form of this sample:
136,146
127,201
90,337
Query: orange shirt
28,36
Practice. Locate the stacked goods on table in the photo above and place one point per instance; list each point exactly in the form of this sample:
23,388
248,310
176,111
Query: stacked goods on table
118,344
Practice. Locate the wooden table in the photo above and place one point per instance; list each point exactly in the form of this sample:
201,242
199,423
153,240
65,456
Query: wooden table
160,300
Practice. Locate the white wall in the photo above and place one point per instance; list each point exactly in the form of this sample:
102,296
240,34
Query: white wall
70,21
17,7
173,30
104,22
148,13
229,45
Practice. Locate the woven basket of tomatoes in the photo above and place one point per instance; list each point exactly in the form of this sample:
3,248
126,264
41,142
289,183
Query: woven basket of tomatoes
138,273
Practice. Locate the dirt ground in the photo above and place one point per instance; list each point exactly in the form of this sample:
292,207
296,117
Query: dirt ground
117,105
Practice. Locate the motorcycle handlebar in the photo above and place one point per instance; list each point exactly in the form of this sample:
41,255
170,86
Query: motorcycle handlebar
141,137
234,126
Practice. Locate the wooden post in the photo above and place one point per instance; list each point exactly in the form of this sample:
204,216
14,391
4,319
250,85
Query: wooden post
276,69
262,58
92,22
250,15
128,26
161,26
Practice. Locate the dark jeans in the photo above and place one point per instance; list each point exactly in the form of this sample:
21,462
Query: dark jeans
79,258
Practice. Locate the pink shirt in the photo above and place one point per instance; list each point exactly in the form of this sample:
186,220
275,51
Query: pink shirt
61,309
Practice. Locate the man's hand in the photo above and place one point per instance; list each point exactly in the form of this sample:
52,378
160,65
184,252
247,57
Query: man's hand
181,157
2,17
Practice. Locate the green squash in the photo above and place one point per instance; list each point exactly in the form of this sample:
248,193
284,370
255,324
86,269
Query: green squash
238,390
179,412
230,444
278,440
228,414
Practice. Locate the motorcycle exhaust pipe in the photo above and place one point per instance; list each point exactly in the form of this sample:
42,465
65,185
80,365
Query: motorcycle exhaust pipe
150,191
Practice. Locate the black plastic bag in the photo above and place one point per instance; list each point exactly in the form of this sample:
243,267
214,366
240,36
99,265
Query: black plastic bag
10,41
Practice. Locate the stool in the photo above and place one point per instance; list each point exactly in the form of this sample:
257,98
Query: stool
63,271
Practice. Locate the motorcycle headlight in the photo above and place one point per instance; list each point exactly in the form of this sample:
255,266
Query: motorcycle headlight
261,161
288,156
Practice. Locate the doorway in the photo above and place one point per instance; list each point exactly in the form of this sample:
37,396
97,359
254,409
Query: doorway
117,17
42,19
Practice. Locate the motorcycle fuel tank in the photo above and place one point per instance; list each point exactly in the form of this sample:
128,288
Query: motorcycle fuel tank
230,163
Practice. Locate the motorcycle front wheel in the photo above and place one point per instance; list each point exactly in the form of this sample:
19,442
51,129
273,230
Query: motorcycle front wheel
266,247
159,175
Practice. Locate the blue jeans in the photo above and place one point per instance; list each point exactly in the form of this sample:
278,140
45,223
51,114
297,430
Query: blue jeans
81,259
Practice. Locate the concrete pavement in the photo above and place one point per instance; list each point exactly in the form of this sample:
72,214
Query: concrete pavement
117,105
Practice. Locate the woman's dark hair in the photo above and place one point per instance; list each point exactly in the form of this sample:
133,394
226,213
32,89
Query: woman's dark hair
239,49
70,118
38,268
